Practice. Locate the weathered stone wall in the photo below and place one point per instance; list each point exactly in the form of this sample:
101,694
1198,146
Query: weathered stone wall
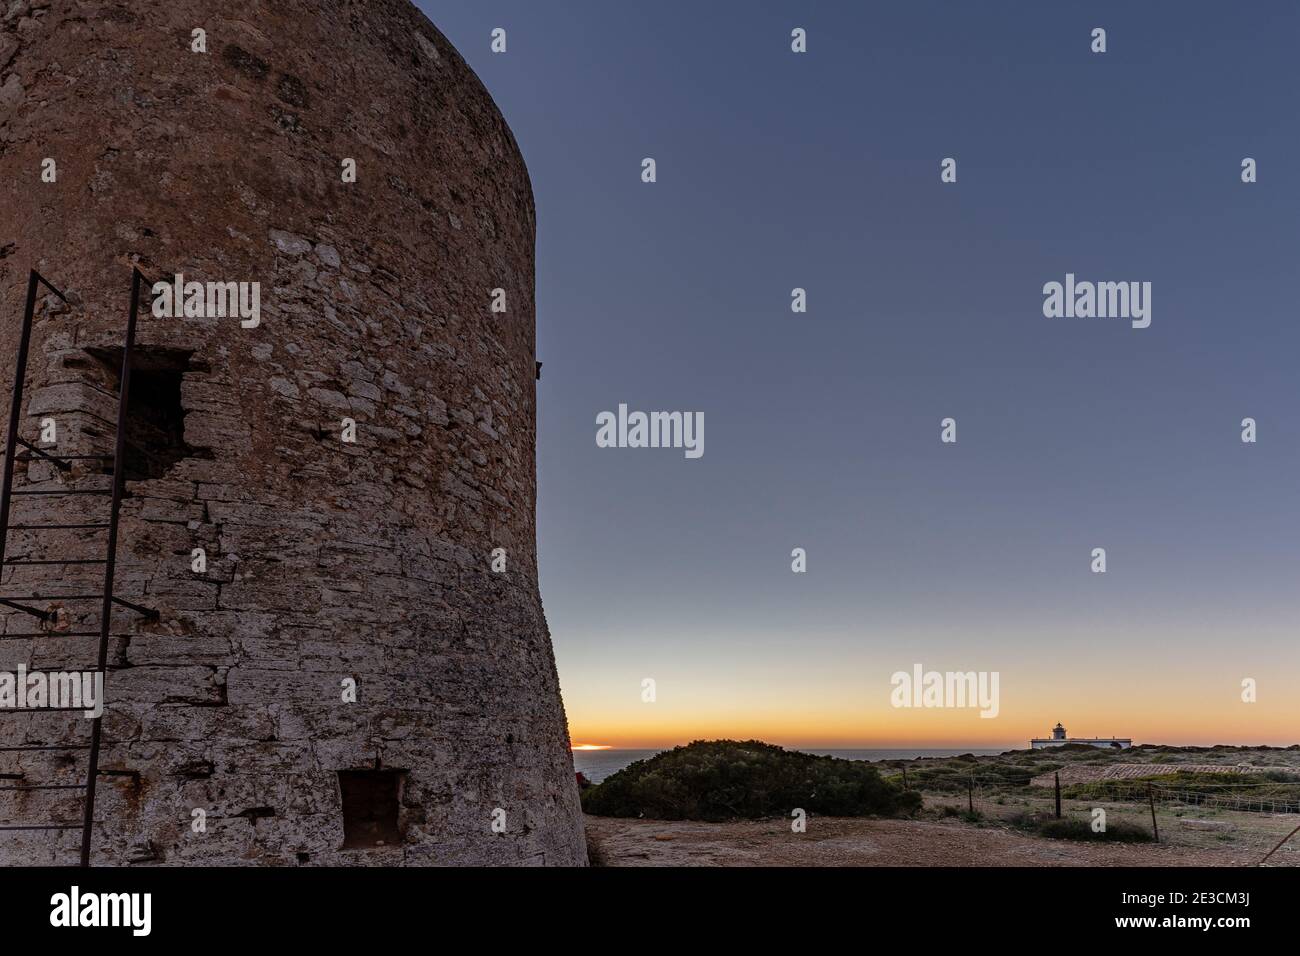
327,560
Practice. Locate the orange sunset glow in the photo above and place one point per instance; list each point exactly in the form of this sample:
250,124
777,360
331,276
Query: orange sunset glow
1196,709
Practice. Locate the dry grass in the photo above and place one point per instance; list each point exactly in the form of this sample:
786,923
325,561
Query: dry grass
1202,838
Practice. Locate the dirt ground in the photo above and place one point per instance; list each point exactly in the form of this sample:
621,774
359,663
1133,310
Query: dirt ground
837,841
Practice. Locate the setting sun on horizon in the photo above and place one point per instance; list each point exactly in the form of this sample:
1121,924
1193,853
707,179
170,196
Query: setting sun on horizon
845,702
1269,722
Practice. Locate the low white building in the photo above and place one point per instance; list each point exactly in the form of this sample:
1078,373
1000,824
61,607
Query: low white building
1059,739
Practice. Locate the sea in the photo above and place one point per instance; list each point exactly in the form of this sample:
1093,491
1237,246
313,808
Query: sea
596,765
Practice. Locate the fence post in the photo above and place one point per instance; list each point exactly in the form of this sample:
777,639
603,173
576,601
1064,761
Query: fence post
1278,847
1151,798
905,786
1058,795
970,794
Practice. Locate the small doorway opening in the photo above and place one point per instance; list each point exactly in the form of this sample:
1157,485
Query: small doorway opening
155,415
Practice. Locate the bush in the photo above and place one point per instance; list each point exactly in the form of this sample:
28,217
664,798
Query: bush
727,779
1118,831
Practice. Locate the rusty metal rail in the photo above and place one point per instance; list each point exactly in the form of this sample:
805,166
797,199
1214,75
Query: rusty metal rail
7,493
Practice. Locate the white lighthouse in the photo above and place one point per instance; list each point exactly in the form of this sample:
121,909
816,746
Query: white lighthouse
1060,738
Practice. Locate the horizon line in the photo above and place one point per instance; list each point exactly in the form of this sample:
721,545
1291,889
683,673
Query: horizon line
597,748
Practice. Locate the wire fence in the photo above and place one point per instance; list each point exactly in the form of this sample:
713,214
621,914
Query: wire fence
996,795
1244,797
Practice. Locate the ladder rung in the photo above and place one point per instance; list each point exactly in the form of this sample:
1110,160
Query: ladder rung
69,491
51,597
21,563
30,635
51,527
35,453
11,601
41,826
61,457
42,710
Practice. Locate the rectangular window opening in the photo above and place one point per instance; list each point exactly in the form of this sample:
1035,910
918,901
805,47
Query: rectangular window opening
371,799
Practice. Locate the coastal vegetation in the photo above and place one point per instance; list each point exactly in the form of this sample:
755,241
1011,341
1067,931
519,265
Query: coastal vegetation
720,780
1245,778
1045,825
727,803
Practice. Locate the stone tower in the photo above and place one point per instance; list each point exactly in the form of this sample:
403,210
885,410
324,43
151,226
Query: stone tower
223,156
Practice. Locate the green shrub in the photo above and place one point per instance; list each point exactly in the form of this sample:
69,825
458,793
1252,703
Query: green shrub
728,779
1119,831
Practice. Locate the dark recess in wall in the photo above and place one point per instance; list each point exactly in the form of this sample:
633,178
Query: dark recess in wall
370,804
155,428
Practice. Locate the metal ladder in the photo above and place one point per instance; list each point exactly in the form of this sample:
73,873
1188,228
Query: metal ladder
108,599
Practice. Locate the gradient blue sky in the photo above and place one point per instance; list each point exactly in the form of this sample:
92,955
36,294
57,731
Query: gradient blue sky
822,430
